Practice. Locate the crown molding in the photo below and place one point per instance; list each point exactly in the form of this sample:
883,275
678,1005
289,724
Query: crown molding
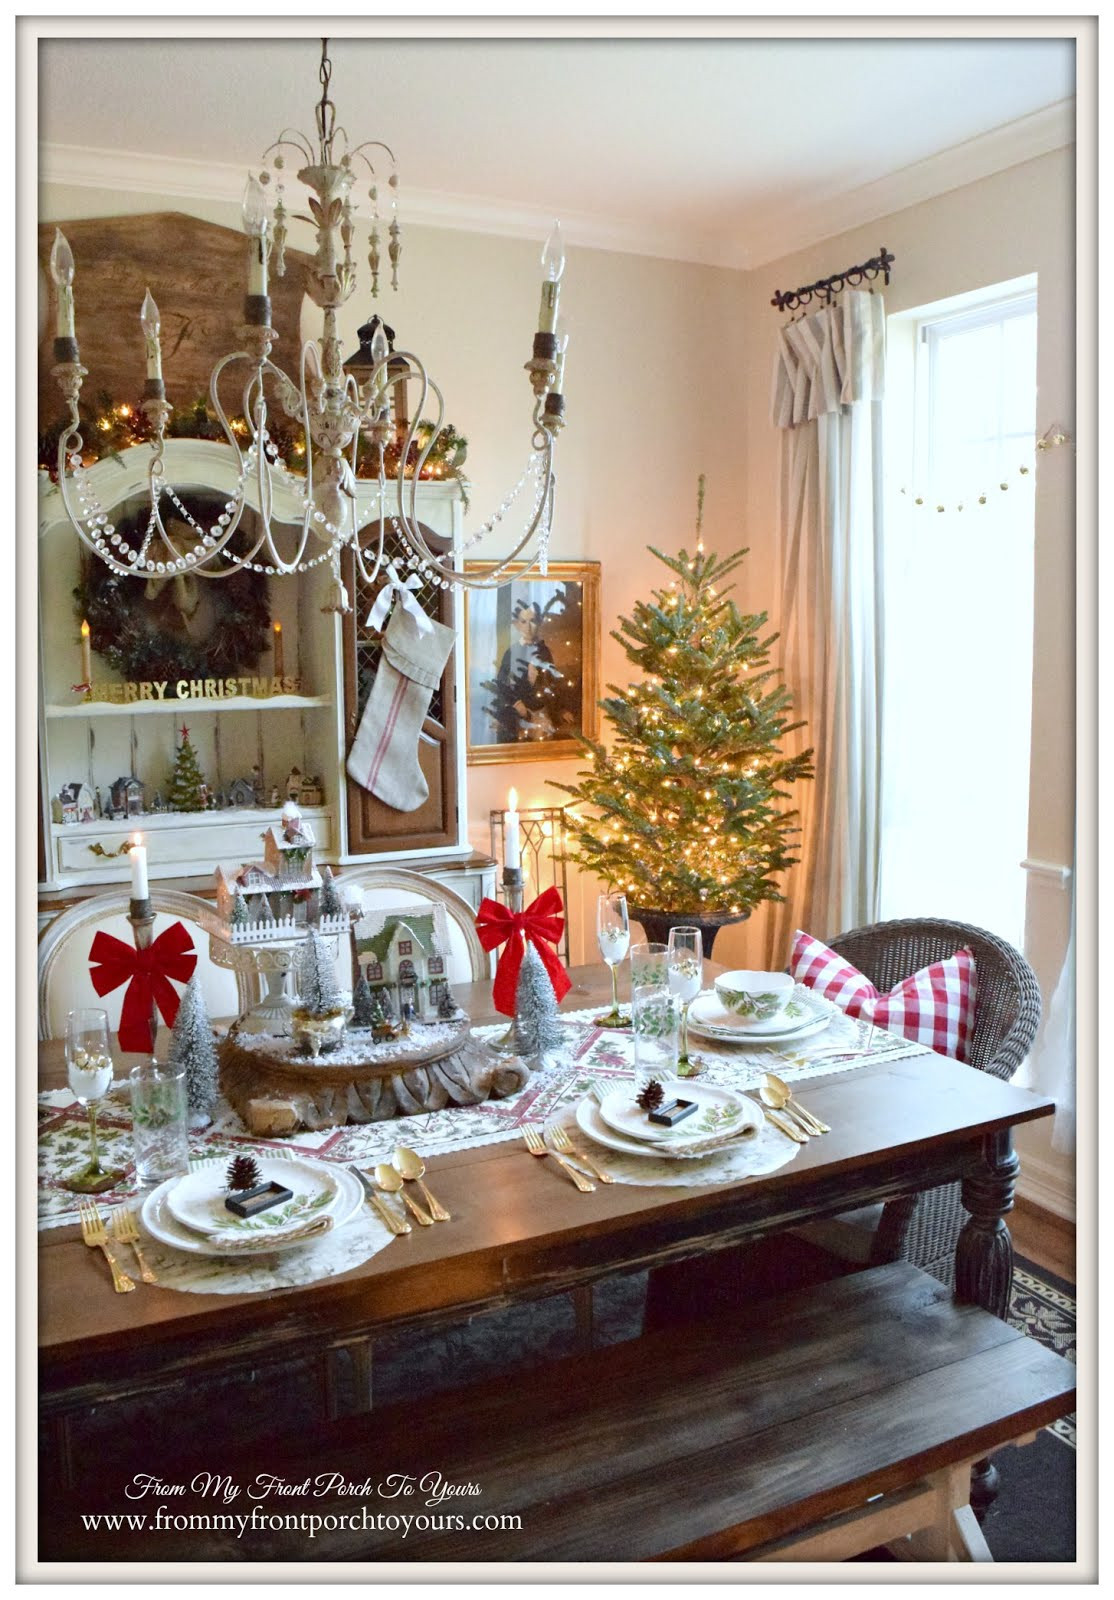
1024,139
178,178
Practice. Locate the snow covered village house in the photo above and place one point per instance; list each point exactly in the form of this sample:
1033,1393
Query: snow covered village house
288,851
77,803
404,962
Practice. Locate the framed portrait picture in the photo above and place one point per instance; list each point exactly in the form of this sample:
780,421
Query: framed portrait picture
533,654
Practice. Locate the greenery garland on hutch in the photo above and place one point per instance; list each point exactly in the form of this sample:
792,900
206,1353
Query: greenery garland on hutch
288,708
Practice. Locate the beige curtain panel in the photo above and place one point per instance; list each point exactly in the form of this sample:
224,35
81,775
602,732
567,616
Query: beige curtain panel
827,402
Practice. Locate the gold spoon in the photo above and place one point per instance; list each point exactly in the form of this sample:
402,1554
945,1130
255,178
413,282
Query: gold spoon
410,1164
391,1183
790,1103
777,1113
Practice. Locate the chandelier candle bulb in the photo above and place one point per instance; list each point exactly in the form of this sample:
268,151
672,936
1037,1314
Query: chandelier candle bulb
61,270
138,854
278,663
553,263
149,322
86,656
254,212
380,355
512,850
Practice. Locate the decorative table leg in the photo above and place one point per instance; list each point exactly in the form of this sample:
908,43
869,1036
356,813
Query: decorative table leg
984,1252
984,1262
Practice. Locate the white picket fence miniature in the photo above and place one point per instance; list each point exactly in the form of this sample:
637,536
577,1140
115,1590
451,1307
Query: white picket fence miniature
277,928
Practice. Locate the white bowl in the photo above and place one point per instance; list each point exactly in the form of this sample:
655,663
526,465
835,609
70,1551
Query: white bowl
754,996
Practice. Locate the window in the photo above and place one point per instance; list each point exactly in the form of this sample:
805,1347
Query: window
958,613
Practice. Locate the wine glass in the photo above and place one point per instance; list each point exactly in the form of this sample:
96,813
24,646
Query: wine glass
89,1069
613,934
685,966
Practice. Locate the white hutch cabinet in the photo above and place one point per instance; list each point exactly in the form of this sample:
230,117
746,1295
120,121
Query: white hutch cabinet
94,743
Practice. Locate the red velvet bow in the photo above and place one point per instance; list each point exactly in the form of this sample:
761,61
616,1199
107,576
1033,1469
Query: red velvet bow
541,923
147,974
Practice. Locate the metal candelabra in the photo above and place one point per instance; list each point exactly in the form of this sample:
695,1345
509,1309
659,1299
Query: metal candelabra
141,915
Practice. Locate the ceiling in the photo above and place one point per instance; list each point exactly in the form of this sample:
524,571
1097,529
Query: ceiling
732,150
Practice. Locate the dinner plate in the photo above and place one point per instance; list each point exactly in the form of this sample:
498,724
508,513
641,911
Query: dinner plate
162,1225
197,1200
717,1111
590,1122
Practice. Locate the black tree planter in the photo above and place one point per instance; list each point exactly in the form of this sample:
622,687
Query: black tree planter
656,924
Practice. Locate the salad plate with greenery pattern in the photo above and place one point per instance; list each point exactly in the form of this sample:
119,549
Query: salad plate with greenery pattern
719,1112
189,1212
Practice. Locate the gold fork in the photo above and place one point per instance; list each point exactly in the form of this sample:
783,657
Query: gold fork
94,1233
560,1141
538,1147
125,1230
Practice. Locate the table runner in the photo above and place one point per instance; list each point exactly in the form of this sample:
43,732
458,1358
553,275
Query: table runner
594,1052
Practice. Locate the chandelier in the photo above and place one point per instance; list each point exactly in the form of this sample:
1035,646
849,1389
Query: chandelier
336,404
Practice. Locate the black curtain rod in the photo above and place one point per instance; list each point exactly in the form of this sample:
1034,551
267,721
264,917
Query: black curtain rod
849,278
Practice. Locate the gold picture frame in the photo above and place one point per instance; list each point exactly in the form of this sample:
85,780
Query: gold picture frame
532,663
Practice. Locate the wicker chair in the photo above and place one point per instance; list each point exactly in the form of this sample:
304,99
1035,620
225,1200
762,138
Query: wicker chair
924,1229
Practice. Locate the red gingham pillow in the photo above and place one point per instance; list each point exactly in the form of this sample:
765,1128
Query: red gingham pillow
935,1007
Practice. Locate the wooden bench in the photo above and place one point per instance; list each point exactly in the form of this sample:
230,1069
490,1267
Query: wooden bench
766,1435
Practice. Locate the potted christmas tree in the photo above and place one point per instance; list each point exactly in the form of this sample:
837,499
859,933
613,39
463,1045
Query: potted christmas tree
689,814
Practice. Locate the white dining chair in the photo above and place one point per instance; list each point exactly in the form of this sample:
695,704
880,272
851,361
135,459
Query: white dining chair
468,961
64,945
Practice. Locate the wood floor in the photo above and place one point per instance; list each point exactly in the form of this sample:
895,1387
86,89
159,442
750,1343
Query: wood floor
1044,1238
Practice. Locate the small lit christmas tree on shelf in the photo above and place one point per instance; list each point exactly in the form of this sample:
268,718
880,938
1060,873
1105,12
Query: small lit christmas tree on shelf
692,801
186,783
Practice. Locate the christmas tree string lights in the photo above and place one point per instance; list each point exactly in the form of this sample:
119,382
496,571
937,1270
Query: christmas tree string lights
690,807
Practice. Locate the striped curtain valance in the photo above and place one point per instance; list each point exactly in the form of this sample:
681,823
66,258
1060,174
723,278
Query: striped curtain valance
829,359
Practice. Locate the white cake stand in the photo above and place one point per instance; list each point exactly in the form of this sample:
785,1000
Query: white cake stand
272,960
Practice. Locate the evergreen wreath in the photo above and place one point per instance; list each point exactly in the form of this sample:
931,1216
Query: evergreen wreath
133,633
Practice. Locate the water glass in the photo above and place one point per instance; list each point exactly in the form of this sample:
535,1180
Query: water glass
159,1123
656,1031
89,1073
648,964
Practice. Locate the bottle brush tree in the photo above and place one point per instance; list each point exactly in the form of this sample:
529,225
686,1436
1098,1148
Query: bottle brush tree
318,992
193,1051
690,808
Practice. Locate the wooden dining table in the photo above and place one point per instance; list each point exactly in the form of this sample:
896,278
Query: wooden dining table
520,1230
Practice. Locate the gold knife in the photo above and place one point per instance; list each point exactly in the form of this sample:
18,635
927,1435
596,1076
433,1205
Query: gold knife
785,1126
397,1225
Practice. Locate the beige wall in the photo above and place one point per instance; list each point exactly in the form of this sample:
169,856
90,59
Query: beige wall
1017,222
651,404
668,376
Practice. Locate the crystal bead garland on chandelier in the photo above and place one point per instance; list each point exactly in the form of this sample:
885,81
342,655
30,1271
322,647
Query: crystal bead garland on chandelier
333,408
